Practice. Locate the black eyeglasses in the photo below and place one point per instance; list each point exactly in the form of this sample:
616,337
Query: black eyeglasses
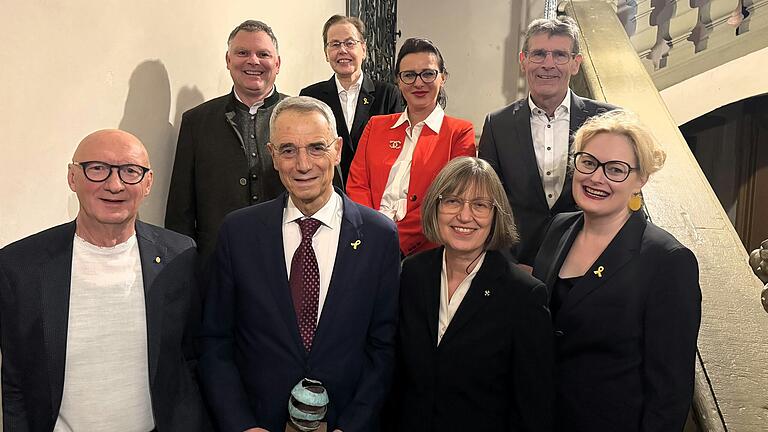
540,56
98,172
427,76
452,204
615,171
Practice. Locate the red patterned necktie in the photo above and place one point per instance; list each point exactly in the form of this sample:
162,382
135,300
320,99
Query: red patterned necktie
305,282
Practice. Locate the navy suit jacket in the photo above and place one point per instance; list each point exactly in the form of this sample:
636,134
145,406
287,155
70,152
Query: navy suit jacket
506,144
35,275
375,98
252,353
625,335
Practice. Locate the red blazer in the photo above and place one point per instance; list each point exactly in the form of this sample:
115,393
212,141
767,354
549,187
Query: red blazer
374,159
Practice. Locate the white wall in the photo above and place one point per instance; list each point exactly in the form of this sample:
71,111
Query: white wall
68,68
734,81
480,42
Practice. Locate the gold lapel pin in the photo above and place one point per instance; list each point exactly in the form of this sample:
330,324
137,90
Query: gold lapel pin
395,144
487,293
157,260
599,271
365,101
355,244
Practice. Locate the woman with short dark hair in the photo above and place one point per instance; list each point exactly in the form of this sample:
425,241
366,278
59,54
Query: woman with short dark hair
399,155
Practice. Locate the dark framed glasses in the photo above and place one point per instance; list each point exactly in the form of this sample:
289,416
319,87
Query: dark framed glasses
427,76
97,171
615,171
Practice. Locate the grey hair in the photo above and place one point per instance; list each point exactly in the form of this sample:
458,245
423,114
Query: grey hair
560,26
253,26
457,176
303,104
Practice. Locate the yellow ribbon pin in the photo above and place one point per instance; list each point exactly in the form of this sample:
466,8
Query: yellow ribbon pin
365,101
157,260
599,271
355,244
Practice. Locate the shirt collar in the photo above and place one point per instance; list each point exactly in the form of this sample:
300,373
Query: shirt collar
327,215
255,104
353,88
434,121
564,105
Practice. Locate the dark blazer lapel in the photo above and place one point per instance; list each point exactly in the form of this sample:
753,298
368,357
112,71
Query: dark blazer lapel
153,255
277,280
331,97
579,115
522,122
432,280
563,247
55,284
362,111
479,295
347,257
619,252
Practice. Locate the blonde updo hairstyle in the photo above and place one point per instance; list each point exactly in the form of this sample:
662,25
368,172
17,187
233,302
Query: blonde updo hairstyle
650,157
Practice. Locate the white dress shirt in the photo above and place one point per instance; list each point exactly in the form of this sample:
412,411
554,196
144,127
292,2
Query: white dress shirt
325,242
394,200
448,307
550,143
348,99
256,105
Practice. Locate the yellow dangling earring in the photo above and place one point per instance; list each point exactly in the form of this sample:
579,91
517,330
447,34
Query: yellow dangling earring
636,202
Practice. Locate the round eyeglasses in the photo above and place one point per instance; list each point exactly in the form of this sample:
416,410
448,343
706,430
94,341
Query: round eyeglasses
97,171
427,76
540,56
452,204
615,171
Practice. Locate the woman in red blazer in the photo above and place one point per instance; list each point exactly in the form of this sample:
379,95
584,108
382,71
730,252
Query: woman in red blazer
399,155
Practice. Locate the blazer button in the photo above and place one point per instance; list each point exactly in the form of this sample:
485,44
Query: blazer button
255,198
413,198
559,333
243,181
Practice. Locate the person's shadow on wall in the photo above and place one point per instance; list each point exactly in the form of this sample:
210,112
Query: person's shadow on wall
146,114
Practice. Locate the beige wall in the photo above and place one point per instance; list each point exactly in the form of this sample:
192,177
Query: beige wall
734,81
480,42
69,68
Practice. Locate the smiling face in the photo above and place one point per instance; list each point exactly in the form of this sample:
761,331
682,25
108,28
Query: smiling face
547,81
463,232
253,63
594,193
309,180
421,97
109,205
345,62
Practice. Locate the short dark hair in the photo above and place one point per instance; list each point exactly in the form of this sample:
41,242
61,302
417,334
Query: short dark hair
341,19
458,175
253,26
560,26
422,45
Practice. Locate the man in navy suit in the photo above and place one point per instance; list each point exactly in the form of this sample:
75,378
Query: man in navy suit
303,286
528,142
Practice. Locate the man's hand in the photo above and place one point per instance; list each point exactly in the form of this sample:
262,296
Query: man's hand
255,430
